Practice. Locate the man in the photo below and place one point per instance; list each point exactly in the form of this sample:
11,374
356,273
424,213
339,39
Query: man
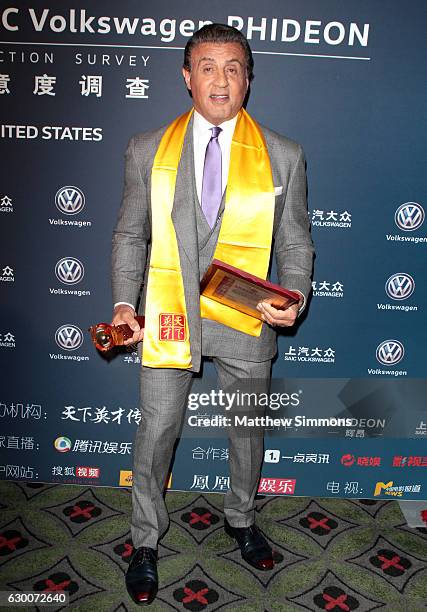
211,184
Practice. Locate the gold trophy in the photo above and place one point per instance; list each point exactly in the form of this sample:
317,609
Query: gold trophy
105,336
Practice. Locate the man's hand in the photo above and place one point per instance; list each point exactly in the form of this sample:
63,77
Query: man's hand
126,314
279,318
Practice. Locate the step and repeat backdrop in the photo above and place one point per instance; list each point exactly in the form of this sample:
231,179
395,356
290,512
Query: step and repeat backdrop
347,411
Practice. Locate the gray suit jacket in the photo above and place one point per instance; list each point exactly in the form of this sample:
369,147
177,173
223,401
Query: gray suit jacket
292,243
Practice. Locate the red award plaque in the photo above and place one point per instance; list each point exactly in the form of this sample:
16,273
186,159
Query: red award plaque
105,335
243,291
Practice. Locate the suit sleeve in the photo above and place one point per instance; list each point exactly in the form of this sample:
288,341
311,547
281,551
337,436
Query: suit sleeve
293,244
131,234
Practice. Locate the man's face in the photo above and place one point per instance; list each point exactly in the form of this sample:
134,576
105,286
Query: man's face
217,81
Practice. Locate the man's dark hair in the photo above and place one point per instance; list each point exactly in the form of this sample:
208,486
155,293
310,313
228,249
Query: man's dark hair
219,33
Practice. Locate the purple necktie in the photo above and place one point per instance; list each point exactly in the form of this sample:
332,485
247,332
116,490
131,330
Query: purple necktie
212,178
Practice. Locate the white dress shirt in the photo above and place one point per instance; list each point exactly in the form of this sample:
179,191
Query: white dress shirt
201,137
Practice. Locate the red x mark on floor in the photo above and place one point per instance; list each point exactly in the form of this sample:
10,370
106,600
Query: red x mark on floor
192,595
52,586
319,523
200,518
86,512
393,562
127,551
10,544
334,602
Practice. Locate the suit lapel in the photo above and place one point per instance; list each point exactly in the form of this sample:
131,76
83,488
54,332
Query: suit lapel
183,216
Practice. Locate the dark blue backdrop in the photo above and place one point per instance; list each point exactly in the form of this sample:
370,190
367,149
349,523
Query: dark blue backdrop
358,110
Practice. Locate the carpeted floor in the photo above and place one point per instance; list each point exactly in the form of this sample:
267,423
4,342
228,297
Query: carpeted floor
336,555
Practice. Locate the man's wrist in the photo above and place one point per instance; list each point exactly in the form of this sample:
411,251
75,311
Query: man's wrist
301,303
123,304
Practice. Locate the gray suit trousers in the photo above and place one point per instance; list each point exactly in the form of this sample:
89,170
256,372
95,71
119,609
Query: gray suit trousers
163,402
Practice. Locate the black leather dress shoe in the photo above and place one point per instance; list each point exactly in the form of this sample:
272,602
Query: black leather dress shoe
254,547
141,577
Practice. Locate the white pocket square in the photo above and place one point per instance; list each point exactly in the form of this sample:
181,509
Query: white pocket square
278,190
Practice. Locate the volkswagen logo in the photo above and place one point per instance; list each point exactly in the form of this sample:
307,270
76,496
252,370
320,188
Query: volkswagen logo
69,337
69,270
390,352
69,200
400,286
409,216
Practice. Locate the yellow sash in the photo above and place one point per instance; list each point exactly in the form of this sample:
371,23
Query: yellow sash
244,240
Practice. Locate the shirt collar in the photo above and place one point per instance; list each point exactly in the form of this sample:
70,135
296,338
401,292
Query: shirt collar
201,125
